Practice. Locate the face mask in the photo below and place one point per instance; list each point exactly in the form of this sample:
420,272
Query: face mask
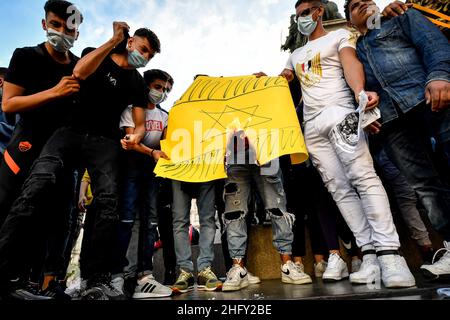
59,41
136,59
306,25
156,96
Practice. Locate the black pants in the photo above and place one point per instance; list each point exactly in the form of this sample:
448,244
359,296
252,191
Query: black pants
45,251
66,150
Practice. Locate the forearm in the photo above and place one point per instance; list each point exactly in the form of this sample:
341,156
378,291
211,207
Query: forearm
83,189
19,104
353,70
90,63
141,148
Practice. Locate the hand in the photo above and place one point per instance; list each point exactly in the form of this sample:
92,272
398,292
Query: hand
119,31
374,100
260,74
374,128
66,87
437,93
158,154
395,9
82,203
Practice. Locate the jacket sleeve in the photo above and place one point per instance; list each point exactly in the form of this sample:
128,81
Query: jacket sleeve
430,43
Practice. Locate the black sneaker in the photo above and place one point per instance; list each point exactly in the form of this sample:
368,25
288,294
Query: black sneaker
27,291
56,291
100,288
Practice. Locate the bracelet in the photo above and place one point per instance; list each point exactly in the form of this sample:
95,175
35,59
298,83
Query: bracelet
151,153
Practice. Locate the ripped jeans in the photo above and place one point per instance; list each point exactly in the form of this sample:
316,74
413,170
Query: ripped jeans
64,151
237,192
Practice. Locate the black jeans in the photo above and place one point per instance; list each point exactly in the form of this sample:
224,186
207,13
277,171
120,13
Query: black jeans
408,144
66,150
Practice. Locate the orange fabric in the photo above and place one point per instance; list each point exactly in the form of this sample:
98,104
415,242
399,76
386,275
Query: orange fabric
11,163
433,12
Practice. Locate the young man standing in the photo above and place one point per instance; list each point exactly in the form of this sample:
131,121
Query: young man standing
407,60
109,83
332,78
140,186
40,87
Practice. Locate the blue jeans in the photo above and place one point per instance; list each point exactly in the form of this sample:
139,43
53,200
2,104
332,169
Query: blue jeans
237,192
138,194
181,209
407,143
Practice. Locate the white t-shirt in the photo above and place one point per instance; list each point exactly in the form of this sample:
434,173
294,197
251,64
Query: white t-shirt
155,123
320,72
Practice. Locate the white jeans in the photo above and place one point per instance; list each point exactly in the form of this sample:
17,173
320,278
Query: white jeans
352,181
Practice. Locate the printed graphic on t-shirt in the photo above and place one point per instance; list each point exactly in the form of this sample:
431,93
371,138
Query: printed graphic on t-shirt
152,125
310,73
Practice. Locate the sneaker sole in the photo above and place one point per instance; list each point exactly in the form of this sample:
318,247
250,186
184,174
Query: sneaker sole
144,296
301,281
237,288
335,279
180,291
431,276
204,288
395,285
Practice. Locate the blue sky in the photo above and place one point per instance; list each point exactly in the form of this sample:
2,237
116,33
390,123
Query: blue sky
215,37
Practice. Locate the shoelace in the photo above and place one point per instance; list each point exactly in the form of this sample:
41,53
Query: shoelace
445,248
209,274
333,260
184,276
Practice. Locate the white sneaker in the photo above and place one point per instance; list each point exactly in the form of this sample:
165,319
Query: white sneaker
149,288
369,272
336,269
252,279
395,272
319,268
441,268
117,283
294,274
237,279
356,265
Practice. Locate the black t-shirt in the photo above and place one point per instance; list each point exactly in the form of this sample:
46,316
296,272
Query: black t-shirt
105,95
33,69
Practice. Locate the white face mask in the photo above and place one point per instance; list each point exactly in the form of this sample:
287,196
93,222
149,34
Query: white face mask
61,42
156,96
306,25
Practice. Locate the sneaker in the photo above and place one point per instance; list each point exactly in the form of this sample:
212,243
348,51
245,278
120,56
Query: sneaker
252,279
369,271
439,269
319,268
184,283
356,265
294,274
336,269
28,291
207,280
237,279
148,288
395,272
56,291
100,288
118,284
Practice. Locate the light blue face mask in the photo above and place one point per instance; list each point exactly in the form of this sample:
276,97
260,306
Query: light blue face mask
136,59
156,96
59,41
306,25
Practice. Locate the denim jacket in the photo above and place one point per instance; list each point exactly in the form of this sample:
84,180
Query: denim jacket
401,58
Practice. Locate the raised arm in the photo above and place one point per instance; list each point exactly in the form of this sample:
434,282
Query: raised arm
90,63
